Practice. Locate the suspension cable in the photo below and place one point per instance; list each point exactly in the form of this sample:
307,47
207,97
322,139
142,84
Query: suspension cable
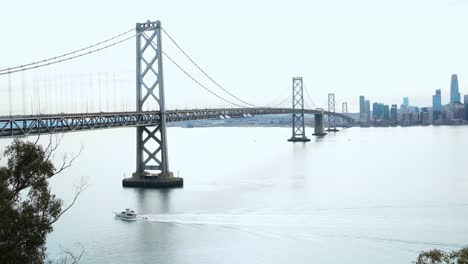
68,58
204,73
199,83
282,102
309,97
273,102
66,54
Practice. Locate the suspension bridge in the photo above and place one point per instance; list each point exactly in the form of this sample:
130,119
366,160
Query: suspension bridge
152,168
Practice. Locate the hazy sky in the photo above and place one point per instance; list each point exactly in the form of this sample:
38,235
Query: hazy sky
381,49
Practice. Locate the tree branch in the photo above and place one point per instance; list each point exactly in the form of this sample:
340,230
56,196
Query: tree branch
83,185
66,165
75,259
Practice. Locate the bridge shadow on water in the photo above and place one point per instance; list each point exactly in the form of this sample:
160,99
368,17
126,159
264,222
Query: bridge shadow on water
154,200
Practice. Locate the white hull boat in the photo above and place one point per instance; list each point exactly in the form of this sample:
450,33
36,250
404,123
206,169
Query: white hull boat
128,214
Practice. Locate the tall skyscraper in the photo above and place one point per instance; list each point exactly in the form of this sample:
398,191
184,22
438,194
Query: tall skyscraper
454,93
361,106
437,103
406,102
381,111
378,111
367,109
386,112
375,111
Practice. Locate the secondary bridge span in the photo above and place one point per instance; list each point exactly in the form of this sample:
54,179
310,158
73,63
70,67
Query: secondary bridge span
23,125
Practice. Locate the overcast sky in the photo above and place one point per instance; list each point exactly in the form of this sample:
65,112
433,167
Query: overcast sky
381,49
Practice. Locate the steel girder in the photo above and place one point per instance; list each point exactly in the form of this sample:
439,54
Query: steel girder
48,124
60,123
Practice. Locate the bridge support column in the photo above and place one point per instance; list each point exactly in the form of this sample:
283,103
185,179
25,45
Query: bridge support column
344,110
318,120
152,168
298,127
331,109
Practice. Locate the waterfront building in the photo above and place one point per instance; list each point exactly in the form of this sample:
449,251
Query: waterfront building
414,119
437,105
375,111
405,106
405,119
394,113
450,115
466,107
454,93
367,109
425,117
458,111
437,101
361,107
378,111
386,112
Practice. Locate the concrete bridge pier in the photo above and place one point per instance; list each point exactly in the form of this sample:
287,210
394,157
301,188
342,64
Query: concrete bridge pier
318,121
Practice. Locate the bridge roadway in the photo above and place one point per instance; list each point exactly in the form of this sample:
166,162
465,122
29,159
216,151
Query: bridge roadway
23,125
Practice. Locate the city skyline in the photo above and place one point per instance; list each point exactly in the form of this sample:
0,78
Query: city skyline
453,95
436,113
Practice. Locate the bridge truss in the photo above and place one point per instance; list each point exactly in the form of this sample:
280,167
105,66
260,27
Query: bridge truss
24,125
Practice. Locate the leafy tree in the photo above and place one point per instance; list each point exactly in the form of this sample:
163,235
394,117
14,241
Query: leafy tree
27,207
436,256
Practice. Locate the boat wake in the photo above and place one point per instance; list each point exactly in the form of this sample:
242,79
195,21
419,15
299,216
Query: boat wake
297,227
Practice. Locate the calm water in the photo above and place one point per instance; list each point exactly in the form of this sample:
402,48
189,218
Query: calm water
363,195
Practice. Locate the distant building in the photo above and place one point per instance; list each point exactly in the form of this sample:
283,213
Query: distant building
375,111
454,93
458,111
450,115
386,112
405,106
361,106
437,105
437,101
466,107
367,109
394,113
424,116
381,111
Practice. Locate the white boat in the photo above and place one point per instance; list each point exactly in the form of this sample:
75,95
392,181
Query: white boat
128,214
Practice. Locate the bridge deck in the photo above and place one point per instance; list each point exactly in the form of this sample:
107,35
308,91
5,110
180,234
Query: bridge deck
67,122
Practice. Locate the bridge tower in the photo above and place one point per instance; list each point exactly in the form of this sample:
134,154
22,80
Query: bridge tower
152,167
298,127
344,108
331,109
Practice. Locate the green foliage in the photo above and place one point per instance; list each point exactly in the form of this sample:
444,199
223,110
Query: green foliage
27,206
436,256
